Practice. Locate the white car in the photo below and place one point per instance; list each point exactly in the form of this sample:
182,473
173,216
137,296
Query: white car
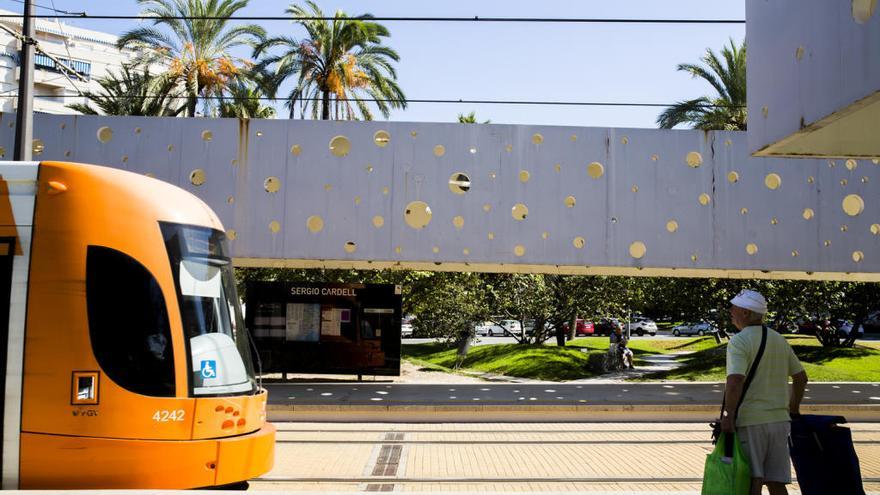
406,330
502,328
511,327
643,326
488,328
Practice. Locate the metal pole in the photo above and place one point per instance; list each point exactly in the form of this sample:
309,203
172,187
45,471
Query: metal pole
24,118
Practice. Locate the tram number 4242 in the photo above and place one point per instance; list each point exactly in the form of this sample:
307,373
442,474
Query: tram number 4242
165,415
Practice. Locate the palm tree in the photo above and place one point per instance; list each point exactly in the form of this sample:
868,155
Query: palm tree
129,93
196,52
470,118
341,63
245,102
727,110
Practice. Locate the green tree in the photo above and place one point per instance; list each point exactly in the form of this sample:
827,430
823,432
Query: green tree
548,303
339,64
448,305
195,47
244,101
724,111
527,299
470,118
129,93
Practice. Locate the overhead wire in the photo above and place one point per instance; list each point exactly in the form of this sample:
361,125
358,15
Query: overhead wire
65,70
52,8
443,101
67,49
84,15
555,20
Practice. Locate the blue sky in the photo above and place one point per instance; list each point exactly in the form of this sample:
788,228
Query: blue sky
515,61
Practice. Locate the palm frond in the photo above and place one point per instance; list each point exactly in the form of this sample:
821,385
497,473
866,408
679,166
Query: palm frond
725,110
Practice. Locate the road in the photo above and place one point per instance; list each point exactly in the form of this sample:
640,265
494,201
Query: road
512,340
512,394
644,458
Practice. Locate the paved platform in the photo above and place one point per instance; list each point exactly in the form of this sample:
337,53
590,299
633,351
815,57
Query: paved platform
462,458
646,458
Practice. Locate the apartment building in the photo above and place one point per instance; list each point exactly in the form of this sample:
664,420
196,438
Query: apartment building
92,54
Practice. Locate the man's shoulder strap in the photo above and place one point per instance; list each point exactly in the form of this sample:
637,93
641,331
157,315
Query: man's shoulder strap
754,368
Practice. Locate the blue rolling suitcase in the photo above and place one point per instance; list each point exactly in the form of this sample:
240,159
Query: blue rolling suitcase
824,457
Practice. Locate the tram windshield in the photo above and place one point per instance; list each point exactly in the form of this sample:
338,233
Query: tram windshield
218,347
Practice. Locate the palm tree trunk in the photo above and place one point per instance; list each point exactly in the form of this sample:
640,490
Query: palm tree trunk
325,105
191,107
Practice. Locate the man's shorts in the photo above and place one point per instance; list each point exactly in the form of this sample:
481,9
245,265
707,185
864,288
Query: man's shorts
766,446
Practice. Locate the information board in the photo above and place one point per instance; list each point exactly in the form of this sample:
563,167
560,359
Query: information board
326,328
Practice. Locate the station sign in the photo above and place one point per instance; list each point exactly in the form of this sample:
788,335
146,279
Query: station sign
326,328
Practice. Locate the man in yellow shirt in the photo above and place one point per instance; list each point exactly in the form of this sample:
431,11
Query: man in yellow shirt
763,422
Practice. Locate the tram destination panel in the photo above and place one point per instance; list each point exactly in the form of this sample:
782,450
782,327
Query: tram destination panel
326,328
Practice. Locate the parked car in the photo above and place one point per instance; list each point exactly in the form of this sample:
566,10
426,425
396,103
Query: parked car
503,327
783,325
406,330
606,326
842,326
808,326
811,323
549,329
641,326
682,329
510,327
698,328
872,322
488,328
582,328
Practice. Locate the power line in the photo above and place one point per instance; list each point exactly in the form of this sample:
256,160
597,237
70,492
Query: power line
53,9
428,100
64,69
555,20
66,46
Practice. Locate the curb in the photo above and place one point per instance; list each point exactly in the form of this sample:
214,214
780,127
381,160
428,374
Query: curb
537,413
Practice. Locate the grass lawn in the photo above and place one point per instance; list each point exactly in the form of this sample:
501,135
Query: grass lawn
523,361
707,363
653,346
859,364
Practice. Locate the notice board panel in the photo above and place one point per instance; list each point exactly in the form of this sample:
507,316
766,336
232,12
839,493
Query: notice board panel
326,328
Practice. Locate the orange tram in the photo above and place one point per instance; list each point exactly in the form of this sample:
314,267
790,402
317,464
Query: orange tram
125,357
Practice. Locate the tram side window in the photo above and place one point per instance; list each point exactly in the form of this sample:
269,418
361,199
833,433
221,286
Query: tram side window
128,323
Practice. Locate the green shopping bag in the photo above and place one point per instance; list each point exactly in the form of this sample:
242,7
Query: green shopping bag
727,470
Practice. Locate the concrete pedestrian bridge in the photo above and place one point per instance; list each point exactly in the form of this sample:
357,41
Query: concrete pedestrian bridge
503,198
513,198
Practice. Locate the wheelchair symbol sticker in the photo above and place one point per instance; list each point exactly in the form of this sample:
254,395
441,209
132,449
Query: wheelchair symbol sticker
209,369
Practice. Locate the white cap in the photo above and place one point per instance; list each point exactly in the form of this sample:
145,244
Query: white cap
751,300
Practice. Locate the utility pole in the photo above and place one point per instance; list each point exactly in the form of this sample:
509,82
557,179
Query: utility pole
24,118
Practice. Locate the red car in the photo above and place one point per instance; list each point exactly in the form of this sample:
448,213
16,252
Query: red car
607,325
582,327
